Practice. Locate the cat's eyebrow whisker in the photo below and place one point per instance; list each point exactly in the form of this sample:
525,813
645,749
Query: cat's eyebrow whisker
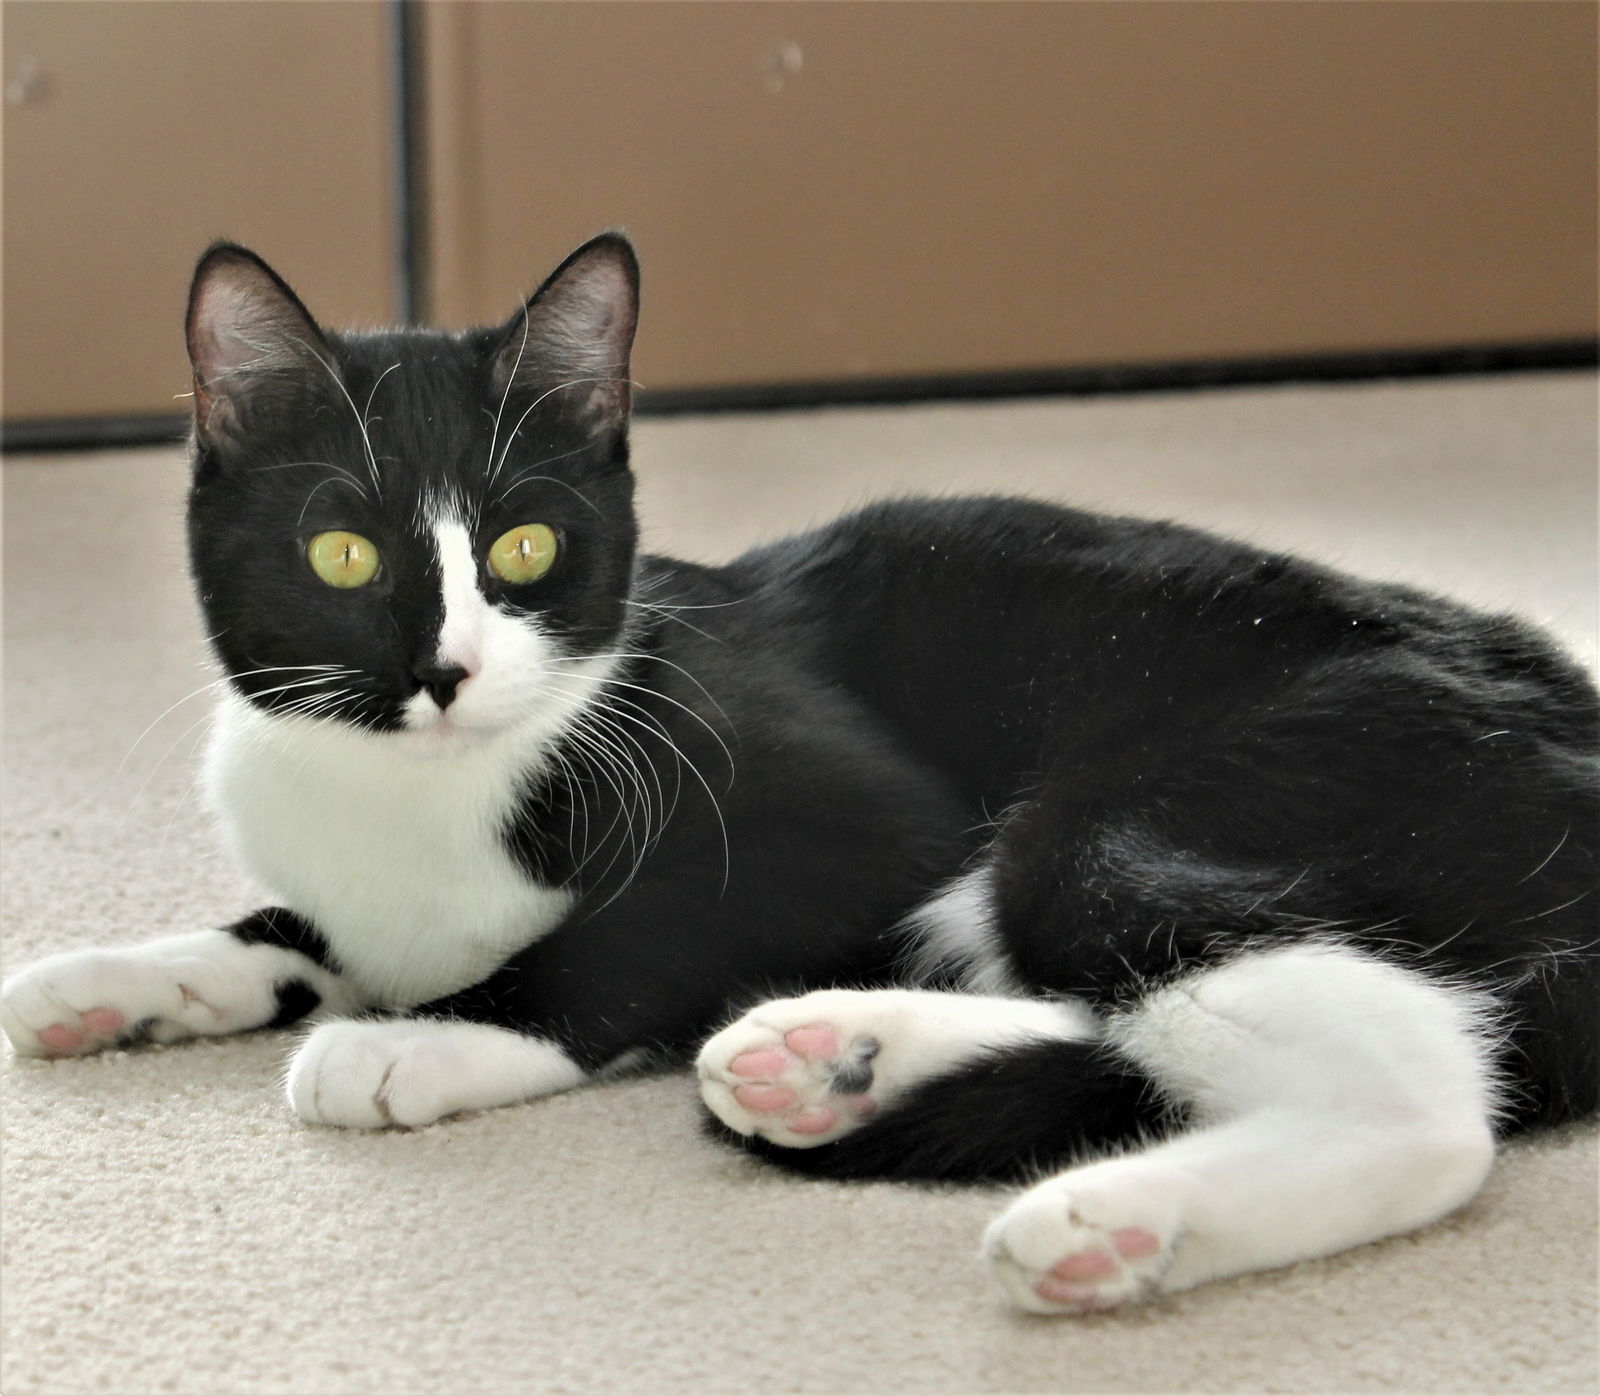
367,416
338,382
570,383
511,378
341,474
528,479
331,480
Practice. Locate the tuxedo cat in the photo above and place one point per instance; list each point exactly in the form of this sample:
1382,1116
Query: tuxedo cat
1233,904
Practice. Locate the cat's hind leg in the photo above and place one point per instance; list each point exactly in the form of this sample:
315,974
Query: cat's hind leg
1335,1099
803,1072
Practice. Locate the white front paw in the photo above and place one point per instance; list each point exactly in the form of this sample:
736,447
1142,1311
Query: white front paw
355,1073
87,1000
413,1071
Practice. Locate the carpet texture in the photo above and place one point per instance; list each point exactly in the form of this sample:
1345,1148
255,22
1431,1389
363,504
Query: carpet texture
168,1227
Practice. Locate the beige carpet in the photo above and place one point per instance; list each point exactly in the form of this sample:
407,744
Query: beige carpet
169,1228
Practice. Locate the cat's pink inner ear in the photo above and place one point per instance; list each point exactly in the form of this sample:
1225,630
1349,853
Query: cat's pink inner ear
218,350
574,336
245,329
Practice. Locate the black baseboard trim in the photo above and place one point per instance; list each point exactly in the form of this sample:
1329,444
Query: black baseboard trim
93,433
162,428
1177,376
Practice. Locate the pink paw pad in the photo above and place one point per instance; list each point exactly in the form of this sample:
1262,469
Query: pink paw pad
765,1100
806,1085
1072,1279
58,1037
1135,1242
1061,1292
104,1020
814,1119
770,1062
812,1042
1084,1265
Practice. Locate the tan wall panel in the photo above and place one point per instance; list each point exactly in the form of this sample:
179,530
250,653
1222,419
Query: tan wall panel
958,187
158,127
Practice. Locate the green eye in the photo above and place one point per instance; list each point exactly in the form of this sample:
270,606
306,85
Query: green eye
524,553
343,559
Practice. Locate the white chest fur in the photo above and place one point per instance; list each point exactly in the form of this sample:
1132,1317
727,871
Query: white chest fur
394,854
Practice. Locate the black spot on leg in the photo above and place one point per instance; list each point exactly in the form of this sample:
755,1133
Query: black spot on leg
296,998
138,1034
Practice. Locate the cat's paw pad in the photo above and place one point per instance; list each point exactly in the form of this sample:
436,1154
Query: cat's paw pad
796,1086
88,1000
1063,1248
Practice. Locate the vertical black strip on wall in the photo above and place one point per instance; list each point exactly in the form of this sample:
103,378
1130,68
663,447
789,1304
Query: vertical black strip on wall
408,158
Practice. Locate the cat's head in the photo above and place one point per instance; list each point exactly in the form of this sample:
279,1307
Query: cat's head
412,531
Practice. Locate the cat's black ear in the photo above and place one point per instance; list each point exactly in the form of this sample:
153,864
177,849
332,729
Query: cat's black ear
570,343
254,348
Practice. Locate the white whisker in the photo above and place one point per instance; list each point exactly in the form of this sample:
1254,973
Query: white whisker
361,423
511,378
570,383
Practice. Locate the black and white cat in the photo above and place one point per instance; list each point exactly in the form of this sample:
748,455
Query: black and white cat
1257,898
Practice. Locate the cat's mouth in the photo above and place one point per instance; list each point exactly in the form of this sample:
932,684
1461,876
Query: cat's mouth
425,719
455,724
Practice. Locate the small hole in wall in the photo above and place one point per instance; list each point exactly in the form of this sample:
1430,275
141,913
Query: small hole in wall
780,66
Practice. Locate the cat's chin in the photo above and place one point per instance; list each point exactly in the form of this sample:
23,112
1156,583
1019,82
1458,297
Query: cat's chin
442,735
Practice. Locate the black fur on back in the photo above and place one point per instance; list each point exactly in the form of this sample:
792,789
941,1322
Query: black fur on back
1169,745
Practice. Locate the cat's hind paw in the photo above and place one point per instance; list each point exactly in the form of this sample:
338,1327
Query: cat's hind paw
801,1086
805,1071
1080,1242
